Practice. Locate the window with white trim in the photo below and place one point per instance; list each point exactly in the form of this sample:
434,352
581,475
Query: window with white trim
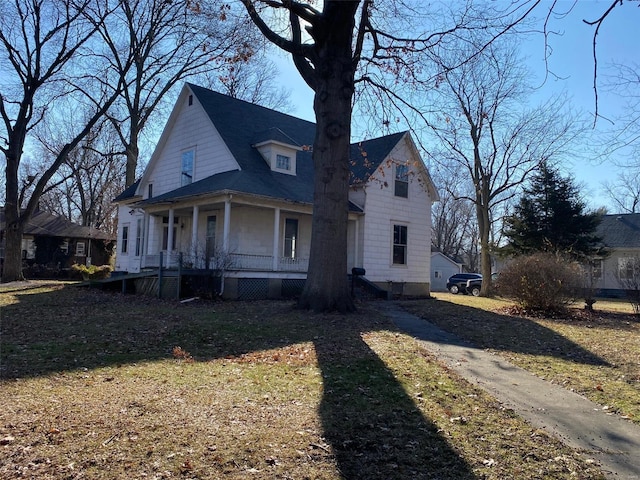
399,244
139,232
186,175
401,185
290,237
628,268
80,249
283,162
125,239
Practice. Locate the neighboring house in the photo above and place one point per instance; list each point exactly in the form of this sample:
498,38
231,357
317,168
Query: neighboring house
230,187
621,237
442,267
55,241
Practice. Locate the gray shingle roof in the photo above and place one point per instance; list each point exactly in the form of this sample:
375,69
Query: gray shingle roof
241,125
620,231
46,224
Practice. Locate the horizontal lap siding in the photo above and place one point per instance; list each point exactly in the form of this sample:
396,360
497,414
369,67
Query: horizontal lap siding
383,209
192,128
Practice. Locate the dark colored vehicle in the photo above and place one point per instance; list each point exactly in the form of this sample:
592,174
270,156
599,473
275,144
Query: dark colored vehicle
458,283
473,286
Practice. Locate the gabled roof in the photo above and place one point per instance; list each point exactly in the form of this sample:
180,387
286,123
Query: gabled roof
242,125
44,223
128,193
620,231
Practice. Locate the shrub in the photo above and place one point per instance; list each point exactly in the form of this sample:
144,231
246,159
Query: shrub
92,272
542,281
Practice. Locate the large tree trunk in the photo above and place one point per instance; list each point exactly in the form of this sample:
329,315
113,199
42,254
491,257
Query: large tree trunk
12,267
327,286
13,227
484,225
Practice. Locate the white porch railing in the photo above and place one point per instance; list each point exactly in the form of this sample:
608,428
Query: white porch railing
169,260
235,261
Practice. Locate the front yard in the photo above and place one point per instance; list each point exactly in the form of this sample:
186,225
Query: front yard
103,386
595,354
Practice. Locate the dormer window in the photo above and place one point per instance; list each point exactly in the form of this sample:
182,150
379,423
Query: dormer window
278,149
283,162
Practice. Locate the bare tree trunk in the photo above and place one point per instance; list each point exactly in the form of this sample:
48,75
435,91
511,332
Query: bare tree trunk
12,267
327,286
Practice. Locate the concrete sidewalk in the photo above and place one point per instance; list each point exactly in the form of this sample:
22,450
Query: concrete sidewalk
578,422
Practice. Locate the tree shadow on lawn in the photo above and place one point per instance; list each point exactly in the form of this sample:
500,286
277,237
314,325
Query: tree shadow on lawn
501,332
374,427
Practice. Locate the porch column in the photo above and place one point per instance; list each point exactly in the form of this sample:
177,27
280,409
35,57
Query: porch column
146,221
227,224
170,234
357,243
276,239
194,233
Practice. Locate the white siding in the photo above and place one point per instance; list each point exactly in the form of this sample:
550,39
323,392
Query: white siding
383,210
128,261
445,268
188,128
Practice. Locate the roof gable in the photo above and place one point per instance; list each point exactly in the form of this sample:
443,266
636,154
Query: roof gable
244,126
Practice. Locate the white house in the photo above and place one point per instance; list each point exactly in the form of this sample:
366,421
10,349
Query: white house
442,267
618,271
230,186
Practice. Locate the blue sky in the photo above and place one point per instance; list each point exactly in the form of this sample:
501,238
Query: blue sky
571,61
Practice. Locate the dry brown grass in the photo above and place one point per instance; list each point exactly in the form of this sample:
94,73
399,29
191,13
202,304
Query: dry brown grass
104,386
595,354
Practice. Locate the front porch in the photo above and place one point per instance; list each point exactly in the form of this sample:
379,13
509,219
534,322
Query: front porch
232,262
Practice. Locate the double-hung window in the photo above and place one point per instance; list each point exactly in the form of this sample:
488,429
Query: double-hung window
186,175
401,185
139,232
399,244
290,237
125,239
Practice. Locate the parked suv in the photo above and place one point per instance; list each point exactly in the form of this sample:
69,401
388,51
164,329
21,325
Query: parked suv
458,283
474,285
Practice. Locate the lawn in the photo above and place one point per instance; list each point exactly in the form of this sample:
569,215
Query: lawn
595,354
100,385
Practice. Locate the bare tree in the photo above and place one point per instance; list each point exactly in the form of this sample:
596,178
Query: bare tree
41,45
487,130
90,178
336,48
624,192
167,41
453,220
253,80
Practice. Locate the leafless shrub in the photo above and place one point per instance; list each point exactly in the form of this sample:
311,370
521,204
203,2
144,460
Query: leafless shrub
542,281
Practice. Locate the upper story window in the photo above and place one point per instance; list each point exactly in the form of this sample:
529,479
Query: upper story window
283,162
186,175
401,187
150,191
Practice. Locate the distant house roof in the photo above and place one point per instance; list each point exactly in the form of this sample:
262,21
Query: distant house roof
44,223
620,231
242,125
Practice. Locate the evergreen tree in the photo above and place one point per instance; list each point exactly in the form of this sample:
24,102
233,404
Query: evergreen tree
551,217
